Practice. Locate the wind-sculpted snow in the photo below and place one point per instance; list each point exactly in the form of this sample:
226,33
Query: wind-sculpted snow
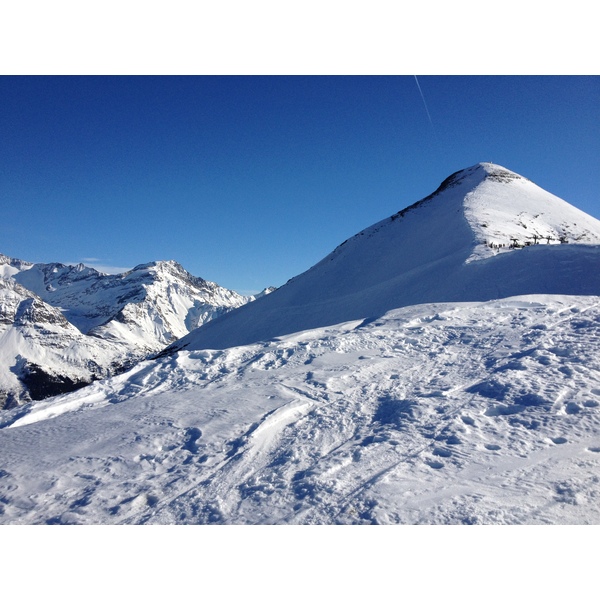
443,413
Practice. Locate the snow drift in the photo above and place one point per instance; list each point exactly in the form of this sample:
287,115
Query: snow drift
476,413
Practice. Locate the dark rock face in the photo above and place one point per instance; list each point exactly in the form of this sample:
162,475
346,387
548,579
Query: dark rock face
42,385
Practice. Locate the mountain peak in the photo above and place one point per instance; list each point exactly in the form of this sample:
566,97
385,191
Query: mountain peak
493,170
476,174
72,320
160,264
466,242
10,266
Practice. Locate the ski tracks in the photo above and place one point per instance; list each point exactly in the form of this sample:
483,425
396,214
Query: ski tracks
420,416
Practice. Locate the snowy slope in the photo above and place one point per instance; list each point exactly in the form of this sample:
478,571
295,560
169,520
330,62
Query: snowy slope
424,372
436,250
443,414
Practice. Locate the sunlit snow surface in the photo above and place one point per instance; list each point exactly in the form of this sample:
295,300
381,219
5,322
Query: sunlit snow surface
441,413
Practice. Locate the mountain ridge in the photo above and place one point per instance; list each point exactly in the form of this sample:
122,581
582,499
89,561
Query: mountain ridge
432,251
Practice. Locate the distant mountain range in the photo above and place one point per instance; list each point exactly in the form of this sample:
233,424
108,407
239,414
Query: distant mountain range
63,326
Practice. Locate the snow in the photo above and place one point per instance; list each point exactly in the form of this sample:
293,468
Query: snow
528,214
10,266
416,375
36,333
101,323
434,251
92,301
441,413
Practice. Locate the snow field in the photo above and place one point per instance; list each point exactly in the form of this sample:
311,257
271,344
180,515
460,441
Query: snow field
449,413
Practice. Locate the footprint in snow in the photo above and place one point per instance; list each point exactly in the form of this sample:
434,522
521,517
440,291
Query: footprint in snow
192,435
492,447
442,452
559,440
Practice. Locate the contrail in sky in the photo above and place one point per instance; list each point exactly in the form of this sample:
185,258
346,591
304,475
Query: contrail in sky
437,139
425,104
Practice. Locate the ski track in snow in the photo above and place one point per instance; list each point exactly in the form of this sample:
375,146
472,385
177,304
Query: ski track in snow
449,413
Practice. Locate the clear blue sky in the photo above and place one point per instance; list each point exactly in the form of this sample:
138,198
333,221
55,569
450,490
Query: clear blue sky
248,181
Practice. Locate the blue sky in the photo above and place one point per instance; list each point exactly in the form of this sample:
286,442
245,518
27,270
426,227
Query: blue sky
248,181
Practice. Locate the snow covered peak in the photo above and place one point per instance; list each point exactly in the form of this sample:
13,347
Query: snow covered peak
167,271
507,211
504,211
91,299
479,172
485,233
471,177
160,265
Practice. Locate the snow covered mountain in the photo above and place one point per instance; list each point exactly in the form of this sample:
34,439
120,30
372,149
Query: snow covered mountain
124,318
150,305
12,266
41,353
485,233
427,372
